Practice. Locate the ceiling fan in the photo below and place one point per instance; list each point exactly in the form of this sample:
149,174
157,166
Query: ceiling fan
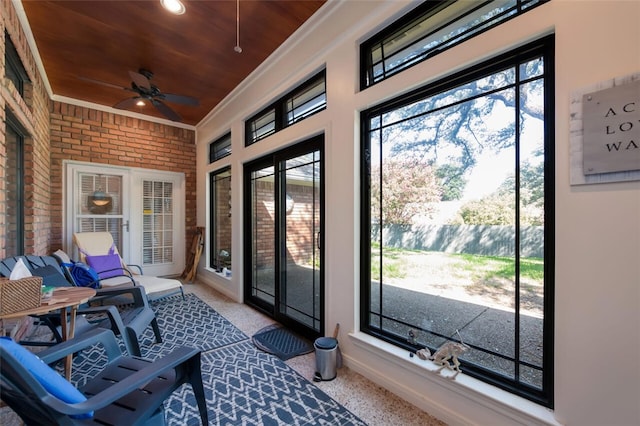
147,92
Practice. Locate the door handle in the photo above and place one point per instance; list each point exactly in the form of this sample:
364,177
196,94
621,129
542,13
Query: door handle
318,241
125,225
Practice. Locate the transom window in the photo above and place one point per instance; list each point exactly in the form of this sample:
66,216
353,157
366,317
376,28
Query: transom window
457,226
305,100
220,148
430,29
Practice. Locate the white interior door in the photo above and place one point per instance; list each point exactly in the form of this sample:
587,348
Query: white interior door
142,209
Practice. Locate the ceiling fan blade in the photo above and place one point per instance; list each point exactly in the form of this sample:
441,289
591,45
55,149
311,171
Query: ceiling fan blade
166,111
104,83
127,103
140,80
179,99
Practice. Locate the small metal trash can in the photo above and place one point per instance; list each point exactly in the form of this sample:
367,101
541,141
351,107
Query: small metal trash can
326,358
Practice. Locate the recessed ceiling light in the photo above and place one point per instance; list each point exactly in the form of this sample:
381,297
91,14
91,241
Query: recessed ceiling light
174,6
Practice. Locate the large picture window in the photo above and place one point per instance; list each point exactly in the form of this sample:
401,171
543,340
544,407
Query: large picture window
458,229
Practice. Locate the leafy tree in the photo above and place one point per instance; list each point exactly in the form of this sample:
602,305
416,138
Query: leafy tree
498,208
531,184
406,188
494,209
452,181
457,125
449,130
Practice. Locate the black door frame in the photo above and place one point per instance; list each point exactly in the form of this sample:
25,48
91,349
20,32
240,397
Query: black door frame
315,143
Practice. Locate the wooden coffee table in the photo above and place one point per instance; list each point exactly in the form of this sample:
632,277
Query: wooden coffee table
66,300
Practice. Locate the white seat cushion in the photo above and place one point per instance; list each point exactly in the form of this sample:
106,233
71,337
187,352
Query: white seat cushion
150,283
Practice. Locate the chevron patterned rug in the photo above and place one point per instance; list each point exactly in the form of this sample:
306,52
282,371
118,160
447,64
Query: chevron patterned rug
243,385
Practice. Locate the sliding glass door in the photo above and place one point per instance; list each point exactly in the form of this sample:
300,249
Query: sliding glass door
283,247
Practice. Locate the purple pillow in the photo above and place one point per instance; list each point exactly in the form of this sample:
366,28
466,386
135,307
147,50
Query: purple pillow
107,265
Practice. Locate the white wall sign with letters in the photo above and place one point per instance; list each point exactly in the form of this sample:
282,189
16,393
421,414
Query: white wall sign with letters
605,132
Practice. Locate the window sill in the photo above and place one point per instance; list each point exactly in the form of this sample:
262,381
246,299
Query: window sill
218,274
222,275
494,399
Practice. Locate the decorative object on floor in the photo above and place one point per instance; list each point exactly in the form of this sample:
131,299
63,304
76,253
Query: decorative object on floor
281,342
328,356
243,385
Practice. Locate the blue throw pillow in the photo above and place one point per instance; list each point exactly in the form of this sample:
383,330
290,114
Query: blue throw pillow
84,275
53,382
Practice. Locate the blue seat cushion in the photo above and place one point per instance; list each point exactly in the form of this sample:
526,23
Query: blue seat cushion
53,382
51,276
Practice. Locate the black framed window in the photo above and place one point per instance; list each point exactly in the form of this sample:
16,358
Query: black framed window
307,100
429,29
458,219
304,101
220,148
220,220
14,70
14,187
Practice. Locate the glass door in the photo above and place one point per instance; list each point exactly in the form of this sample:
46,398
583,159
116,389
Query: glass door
284,248
142,209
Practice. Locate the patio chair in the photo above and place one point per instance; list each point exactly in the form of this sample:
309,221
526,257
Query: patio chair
100,244
129,390
124,310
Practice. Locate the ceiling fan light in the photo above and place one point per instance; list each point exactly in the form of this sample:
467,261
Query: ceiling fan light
140,103
174,6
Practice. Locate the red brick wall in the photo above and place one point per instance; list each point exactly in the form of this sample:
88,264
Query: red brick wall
264,225
300,232
301,237
32,113
82,134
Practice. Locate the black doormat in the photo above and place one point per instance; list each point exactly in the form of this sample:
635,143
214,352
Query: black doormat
283,343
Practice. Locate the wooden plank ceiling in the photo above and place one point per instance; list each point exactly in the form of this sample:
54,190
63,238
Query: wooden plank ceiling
89,47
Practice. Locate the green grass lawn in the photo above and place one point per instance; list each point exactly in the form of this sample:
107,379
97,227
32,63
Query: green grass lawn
490,278
395,263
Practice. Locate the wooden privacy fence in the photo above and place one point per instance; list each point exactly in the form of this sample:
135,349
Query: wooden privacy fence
486,240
